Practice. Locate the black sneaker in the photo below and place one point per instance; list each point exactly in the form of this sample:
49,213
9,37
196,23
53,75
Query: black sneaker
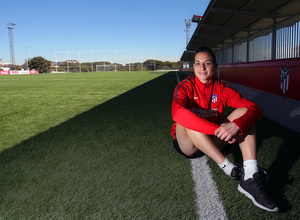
236,172
254,189
264,175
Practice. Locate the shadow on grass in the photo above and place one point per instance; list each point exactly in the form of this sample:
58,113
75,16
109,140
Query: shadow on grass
278,153
114,161
284,174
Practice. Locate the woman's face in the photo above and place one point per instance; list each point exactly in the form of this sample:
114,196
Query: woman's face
204,67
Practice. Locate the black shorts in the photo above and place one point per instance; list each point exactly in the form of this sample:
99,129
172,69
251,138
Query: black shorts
195,155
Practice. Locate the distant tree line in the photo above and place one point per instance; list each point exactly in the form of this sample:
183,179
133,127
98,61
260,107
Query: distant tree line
44,66
148,65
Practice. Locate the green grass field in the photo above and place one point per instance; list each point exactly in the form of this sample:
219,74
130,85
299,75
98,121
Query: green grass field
97,146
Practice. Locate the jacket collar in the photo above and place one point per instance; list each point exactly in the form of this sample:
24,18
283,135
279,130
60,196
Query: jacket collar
201,84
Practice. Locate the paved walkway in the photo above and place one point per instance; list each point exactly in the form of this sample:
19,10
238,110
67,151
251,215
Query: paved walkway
283,110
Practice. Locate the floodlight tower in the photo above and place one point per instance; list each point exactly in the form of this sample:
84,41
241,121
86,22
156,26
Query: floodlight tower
10,28
187,30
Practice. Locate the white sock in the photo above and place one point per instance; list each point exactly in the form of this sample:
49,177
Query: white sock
227,166
250,167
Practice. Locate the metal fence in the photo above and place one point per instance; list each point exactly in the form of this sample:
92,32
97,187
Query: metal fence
259,46
86,61
288,44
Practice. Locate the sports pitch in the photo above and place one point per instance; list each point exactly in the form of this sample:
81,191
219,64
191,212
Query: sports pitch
97,146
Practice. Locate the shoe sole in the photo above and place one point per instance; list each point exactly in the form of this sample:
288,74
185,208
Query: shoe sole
276,209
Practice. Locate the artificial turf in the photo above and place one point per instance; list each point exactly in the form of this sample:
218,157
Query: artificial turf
97,146
102,152
279,154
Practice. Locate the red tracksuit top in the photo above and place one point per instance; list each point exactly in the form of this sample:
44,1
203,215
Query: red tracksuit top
199,106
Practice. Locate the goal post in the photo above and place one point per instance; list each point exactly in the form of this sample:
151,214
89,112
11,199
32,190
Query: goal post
107,68
106,60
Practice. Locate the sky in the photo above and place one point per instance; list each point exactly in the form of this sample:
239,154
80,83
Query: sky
44,27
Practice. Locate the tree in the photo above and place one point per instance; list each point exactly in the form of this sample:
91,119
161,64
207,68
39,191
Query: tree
84,69
17,67
60,69
159,65
150,64
40,64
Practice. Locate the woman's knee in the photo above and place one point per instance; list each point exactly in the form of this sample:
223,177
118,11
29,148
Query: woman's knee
184,141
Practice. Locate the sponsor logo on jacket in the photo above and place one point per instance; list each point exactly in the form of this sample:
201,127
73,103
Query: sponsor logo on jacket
206,113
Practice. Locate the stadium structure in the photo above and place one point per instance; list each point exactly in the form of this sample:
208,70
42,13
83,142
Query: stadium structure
257,43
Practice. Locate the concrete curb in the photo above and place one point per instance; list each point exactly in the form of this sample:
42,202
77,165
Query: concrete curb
282,110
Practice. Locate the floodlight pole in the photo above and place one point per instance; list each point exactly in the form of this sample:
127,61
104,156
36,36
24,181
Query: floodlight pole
187,30
10,28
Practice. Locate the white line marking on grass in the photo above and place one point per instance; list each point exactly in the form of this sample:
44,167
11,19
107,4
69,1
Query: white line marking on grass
209,203
210,206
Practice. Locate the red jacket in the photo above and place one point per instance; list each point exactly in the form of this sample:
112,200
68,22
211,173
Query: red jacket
199,106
